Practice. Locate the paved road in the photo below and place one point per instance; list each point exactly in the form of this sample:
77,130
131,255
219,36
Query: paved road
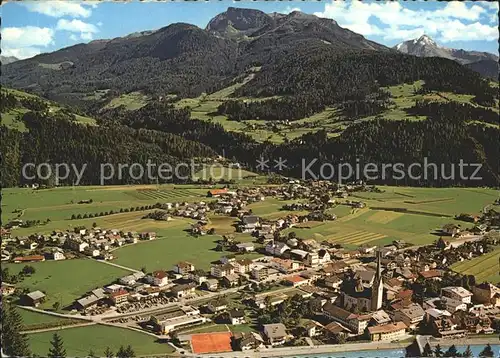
57,328
119,266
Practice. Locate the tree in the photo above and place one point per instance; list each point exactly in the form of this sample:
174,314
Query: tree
127,352
438,352
143,269
427,351
451,352
487,351
56,306
468,352
14,343
57,347
28,270
108,353
91,354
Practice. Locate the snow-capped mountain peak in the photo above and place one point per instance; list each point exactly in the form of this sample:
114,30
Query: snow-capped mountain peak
424,46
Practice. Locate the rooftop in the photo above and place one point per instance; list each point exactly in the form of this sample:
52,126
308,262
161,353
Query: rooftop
387,328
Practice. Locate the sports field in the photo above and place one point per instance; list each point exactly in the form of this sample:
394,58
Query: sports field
79,341
67,280
211,342
484,268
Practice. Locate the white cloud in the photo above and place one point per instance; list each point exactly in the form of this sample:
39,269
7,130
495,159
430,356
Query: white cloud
451,22
290,9
457,31
24,42
21,53
86,36
86,30
73,37
60,8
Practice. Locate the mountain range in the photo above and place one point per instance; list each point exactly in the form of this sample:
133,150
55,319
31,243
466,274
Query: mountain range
4,60
482,62
228,88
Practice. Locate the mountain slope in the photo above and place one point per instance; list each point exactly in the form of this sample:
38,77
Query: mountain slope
487,68
4,60
179,59
424,46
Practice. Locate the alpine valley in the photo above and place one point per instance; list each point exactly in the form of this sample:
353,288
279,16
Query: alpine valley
251,85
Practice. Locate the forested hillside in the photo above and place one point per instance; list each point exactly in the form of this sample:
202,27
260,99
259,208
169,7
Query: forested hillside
234,88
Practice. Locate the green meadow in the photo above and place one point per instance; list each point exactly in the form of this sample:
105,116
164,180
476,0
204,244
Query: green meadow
67,280
80,340
484,268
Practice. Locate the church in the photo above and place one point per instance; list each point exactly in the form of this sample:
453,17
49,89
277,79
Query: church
365,299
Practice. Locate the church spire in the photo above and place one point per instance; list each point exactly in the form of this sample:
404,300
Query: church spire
378,285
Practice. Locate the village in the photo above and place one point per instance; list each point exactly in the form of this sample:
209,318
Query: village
297,292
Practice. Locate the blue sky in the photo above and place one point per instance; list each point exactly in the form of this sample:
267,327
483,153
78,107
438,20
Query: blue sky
33,27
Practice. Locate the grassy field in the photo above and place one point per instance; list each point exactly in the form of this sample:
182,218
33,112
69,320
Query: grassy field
131,101
9,119
177,245
60,203
378,227
79,341
484,268
65,281
403,96
35,320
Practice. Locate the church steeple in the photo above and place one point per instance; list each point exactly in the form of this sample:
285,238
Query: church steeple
378,285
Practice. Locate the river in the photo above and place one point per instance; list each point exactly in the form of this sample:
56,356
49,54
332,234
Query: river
392,353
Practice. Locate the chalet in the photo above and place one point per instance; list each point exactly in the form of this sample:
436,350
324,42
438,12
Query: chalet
336,328
183,268
457,293
450,229
249,223
237,316
147,236
387,332
323,256
275,333
230,280
333,282
221,270
91,251
183,290
210,284
242,266
248,341
486,294
157,278
380,317
198,276
217,305
276,248
284,266
410,315
245,247
86,302
34,298
259,272
119,297
431,274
